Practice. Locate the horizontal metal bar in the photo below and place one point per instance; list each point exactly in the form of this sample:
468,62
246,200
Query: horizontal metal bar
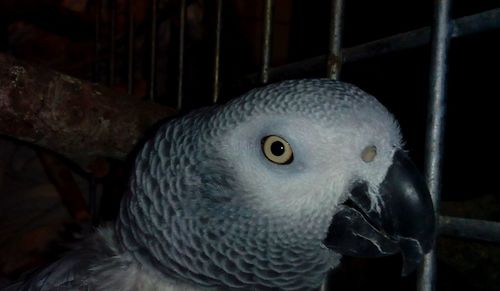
464,26
400,41
476,23
470,228
412,39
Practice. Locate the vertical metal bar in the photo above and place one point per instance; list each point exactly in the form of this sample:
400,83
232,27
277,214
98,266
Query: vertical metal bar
130,73
93,200
266,41
436,124
334,62
218,27
98,6
112,42
152,75
181,53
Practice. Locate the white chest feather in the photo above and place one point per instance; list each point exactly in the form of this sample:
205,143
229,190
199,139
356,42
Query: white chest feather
121,273
132,278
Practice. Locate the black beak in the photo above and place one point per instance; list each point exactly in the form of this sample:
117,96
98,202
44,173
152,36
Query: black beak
404,220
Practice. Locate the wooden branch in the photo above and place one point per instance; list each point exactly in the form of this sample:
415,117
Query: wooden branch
77,119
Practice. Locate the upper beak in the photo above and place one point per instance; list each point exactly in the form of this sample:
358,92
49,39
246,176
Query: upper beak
404,220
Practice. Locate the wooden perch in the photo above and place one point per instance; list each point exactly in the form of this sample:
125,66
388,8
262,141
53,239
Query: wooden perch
80,120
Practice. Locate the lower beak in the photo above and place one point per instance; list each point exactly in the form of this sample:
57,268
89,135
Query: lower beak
404,221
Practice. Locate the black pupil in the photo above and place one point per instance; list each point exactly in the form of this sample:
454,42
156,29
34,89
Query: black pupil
277,148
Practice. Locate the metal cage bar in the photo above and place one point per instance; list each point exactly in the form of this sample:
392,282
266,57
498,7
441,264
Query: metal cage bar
334,62
266,41
467,228
98,45
218,28
112,42
182,32
130,63
415,38
463,26
91,180
436,124
152,72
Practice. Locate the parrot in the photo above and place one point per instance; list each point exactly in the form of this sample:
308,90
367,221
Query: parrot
265,192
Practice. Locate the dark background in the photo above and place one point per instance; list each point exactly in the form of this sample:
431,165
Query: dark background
60,35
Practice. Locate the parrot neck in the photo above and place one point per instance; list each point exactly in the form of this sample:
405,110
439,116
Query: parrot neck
235,252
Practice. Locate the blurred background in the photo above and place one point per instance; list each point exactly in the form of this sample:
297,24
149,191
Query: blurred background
134,48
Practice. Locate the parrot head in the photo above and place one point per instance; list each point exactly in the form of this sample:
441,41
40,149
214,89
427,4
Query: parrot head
269,190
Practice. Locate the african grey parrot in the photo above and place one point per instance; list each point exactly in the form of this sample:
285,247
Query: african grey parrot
266,192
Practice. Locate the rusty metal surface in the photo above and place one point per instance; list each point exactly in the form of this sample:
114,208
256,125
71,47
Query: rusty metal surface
334,61
266,41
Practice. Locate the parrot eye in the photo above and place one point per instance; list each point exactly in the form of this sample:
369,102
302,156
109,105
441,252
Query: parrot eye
277,150
369,154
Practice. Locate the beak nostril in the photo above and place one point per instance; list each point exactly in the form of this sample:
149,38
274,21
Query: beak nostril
369,154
